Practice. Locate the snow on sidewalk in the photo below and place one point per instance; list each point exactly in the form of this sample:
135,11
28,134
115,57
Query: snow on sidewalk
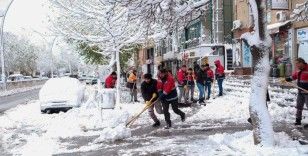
239,143
23,128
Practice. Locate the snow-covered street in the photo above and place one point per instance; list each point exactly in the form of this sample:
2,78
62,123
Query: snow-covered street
220,128
153,77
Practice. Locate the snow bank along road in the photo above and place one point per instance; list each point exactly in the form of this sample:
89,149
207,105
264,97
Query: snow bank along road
220,128
10,101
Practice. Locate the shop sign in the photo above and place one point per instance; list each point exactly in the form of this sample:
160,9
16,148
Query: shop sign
185,56
280,4
302,34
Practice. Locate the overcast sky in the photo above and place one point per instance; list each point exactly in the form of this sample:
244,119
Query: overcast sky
26,15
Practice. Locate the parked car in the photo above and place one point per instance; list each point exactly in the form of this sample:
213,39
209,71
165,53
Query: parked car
82,77
91,80
61,94
28,78
16,77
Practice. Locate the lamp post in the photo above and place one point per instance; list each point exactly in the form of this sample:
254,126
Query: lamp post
50,45
2,16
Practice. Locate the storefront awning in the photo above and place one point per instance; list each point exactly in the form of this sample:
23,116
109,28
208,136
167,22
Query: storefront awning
274,28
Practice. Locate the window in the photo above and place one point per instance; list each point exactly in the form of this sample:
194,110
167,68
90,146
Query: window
192,34
228,20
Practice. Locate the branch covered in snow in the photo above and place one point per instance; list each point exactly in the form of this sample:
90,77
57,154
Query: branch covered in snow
300,13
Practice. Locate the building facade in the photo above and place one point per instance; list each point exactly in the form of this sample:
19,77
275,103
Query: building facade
203,39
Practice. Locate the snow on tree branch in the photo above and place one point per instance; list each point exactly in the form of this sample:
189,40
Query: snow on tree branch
300,13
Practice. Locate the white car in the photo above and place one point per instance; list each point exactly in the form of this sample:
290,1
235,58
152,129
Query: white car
16,77
61,94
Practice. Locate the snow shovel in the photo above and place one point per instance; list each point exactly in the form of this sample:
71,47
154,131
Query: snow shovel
293,85
148,105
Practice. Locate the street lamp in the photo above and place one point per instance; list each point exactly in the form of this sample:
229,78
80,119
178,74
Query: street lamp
2,16
50,45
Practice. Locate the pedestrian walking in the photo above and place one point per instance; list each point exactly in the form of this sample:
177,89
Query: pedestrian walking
209,80
148,88
182,81
168,96
301,75
132,85
111,80
190,85
220,76
200,79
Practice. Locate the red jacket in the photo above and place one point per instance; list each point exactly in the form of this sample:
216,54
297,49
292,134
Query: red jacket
110,82
168,88
210,75
159,85
181,77
220,71
302,77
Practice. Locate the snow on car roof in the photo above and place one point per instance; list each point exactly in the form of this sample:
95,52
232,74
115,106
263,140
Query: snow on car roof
61,88
15,75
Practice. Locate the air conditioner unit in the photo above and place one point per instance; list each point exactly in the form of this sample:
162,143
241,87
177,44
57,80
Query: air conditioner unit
236,24
281,16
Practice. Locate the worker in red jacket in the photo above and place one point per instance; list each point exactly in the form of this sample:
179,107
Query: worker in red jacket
301,75
209,80
182,82
219,75
111,80
168,95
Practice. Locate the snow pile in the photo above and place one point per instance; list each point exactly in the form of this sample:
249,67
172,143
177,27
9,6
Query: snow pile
18,90
239,143
225,109
113,134
24,128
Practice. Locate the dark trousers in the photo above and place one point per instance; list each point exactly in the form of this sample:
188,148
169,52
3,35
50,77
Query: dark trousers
220,81
208,87
175,108
301,100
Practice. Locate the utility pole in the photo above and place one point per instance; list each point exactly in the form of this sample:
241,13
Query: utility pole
50,45
2,16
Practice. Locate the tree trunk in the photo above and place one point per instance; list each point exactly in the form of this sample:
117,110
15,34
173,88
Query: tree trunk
118,76
262,126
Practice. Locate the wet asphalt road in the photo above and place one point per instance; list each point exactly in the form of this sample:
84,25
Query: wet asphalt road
11,101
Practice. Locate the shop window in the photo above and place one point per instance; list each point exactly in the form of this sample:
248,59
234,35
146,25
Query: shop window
193,33
302,50
228,20
218,50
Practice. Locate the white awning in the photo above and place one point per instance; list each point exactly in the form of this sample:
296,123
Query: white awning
169,56
274,28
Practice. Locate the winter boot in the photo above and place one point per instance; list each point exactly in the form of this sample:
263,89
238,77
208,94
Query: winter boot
156,124
208,98
168,126
298,122
201,101
183,117
249,120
